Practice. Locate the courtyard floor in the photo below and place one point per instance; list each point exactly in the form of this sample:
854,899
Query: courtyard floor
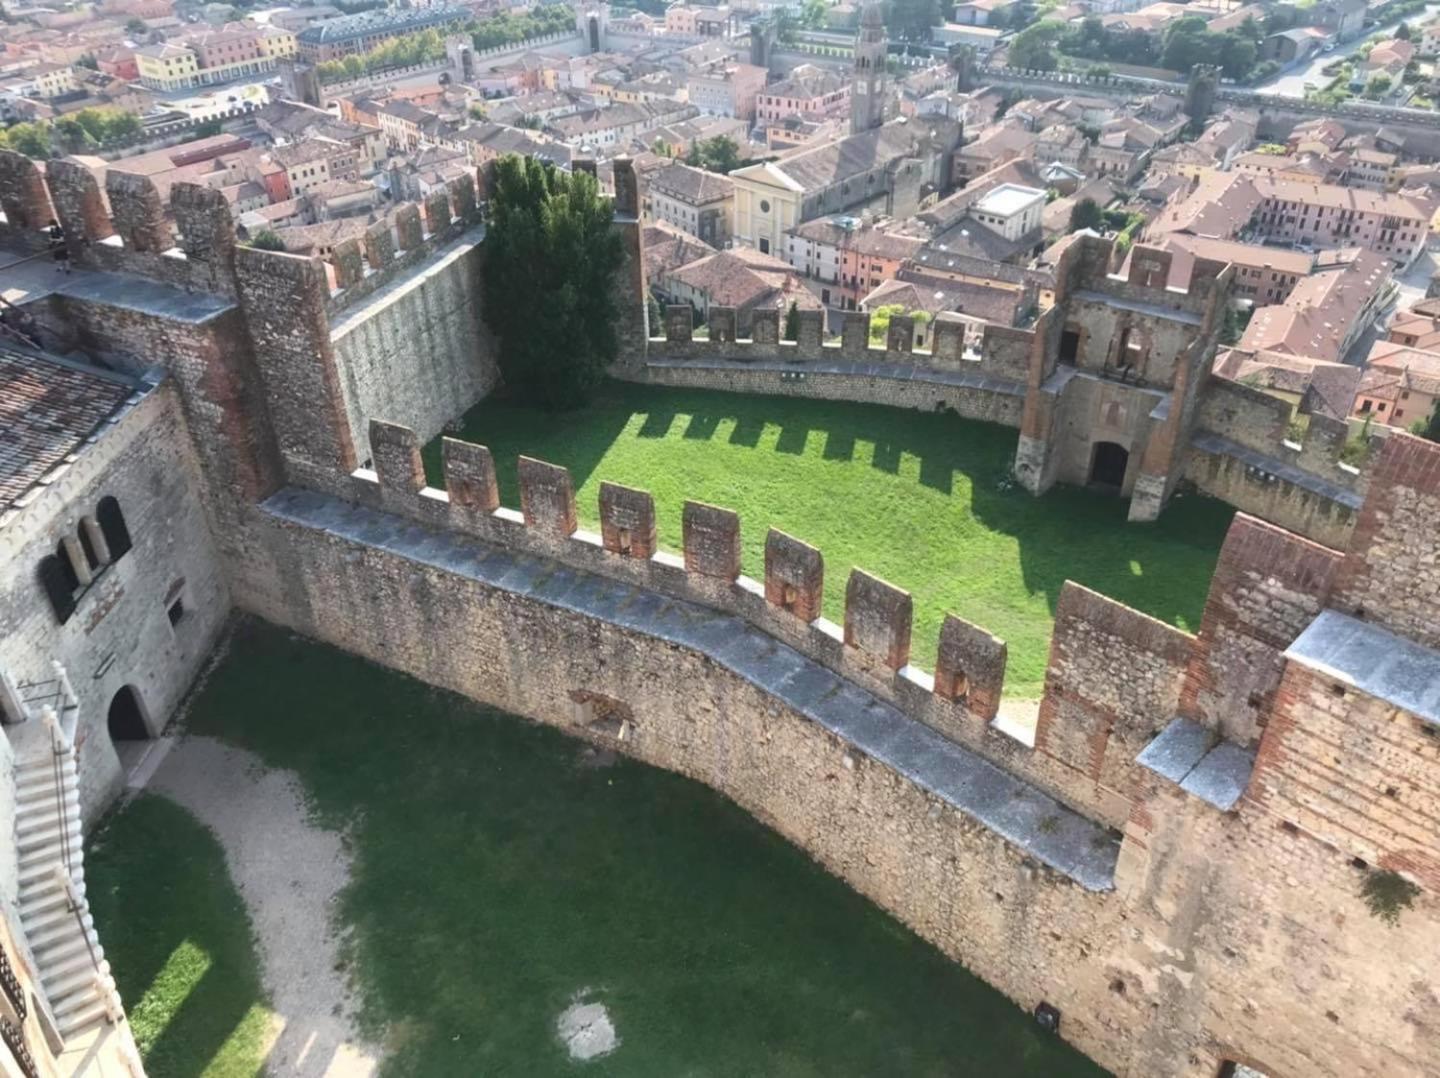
924,500
336,867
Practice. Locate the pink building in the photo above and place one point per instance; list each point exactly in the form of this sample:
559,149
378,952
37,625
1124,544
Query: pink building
808,92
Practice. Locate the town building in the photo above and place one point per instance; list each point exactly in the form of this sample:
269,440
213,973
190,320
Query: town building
696,201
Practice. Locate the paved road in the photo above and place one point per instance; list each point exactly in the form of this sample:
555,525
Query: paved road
1292,83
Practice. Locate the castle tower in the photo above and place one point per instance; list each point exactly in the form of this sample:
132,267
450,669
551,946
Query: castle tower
868,85
593,24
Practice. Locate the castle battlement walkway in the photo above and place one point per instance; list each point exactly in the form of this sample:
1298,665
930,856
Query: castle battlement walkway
1060,838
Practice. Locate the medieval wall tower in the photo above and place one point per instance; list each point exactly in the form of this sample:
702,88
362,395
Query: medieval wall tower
868,86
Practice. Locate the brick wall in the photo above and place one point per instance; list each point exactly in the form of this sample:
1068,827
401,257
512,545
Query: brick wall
1269,584
1392,574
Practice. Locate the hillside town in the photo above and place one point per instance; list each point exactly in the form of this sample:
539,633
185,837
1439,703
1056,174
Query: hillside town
377,374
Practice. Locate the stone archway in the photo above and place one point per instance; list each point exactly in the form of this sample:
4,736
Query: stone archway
126,718
1108,463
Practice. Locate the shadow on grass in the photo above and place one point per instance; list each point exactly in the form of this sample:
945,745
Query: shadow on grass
178,939
499,873
1162,569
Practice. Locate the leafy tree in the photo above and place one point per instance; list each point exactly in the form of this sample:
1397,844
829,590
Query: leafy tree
1378,86
1034,47
1188,42
1387,893
267,240
1403,32
792,322
1086,214
551,258
136,28
812,14
880,320
912,20
33,140
1431,429
718,154
88,60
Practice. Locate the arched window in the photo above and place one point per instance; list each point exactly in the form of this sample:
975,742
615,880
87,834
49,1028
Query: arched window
58,580
67,567
112,527
92,557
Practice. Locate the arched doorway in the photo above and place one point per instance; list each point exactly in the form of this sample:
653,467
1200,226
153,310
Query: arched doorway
1107,465
127,717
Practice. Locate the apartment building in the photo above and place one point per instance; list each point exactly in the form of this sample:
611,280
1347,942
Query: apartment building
809,92
850,256
1324,215
693,200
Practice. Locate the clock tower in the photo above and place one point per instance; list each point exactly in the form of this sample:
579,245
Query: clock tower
868,87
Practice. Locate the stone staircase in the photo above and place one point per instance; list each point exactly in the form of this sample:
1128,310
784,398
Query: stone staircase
53,911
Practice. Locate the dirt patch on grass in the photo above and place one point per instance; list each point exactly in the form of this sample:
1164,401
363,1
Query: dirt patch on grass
585,1028
289,873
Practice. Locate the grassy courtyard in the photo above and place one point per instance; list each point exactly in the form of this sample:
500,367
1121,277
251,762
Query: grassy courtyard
924,500
177,937
500,873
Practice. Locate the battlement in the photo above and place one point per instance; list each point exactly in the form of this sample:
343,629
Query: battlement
956,344
1085,265
407,236
1116,678
1251,450
124,228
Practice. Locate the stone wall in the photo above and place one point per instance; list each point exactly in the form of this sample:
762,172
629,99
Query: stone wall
1193,959
120,633
1269,584
417,351
1259,485
1392,573
903,386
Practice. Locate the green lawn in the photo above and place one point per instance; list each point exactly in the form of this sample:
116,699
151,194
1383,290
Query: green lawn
178,939
924,500
499,872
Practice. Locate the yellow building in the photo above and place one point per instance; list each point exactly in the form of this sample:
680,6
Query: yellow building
767,205
279,43
167,67
52,80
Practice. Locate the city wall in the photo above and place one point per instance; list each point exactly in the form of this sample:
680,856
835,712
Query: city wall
1179,956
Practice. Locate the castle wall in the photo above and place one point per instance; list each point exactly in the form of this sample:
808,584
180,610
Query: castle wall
120,633
1269,585
416,351
1259,485
1090,410
984,399
1207,950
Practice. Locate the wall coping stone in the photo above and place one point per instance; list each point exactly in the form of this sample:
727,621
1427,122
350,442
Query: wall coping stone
1066,841
1209,442
900,372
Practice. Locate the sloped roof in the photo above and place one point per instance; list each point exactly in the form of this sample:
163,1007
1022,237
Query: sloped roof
49,407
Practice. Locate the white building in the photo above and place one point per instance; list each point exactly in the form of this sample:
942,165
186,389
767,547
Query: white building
1010,210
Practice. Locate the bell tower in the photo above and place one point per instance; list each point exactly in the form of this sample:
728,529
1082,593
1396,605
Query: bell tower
868,83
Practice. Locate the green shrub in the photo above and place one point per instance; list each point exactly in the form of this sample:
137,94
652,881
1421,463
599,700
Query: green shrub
1387,893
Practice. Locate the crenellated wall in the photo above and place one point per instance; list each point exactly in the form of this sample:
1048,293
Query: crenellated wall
833,736
1174,859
